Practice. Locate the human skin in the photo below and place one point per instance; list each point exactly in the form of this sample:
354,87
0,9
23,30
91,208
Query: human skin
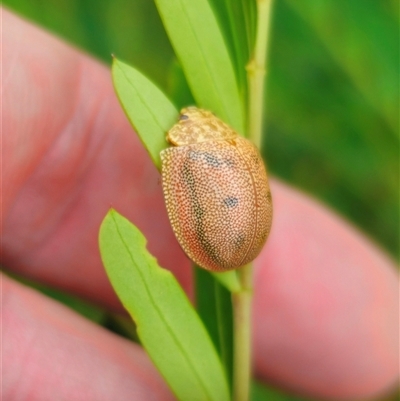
325,309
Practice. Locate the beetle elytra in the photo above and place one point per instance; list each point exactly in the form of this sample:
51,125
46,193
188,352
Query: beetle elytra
216,192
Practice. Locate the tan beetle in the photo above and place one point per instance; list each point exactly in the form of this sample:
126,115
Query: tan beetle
216,192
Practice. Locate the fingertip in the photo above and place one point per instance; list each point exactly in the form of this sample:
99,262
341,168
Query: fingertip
52,353
326,304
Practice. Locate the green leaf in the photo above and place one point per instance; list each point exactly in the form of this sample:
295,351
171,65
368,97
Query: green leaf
237,20
199,45
214,306
229,280
146,106
167,325
178,88
225,328
261,392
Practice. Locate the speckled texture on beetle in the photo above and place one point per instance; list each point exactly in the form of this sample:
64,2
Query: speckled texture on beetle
216,192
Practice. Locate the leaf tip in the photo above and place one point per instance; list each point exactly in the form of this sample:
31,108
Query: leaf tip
111,214
112,211
115,63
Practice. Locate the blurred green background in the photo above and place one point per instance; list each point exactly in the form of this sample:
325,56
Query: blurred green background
332,107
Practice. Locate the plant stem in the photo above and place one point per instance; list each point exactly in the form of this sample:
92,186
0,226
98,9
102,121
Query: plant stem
242,299
242,335
256,72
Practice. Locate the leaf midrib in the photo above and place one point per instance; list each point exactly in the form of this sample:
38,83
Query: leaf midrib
161,317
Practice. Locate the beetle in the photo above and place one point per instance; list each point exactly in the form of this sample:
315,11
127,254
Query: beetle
216,192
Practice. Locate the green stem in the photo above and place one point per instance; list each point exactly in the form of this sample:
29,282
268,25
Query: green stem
256,72
242,299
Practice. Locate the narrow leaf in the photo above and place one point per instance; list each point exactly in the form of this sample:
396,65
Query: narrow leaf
229,280
148,109
214,306
178,88
206,303
168,326
238,23
225,328
203,54
261,392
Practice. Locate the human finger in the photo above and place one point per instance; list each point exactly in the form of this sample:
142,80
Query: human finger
68,155
50,353
326,305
